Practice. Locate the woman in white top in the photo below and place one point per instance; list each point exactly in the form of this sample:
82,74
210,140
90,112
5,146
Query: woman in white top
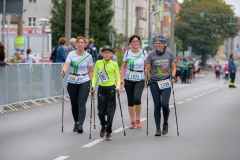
81,73
28,58
133,78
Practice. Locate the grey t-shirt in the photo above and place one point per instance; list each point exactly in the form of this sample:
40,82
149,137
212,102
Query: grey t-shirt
178,66
70,49
158,62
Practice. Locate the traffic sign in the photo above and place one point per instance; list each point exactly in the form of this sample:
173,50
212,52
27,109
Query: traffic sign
12,7
112,38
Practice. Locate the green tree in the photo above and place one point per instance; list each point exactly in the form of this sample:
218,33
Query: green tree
202,24
178,44
100,17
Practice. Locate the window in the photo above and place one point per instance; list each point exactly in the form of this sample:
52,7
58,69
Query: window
32,21
32,0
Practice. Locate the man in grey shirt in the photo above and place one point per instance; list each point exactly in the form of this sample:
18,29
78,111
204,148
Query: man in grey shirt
72,45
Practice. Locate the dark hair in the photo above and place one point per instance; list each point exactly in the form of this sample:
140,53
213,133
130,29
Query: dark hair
2,53
231,55
28,52
114,51
133,36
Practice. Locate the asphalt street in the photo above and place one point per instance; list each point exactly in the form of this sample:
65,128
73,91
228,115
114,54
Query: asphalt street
208,118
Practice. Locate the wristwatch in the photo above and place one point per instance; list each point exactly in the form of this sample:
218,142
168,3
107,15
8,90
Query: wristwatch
173,77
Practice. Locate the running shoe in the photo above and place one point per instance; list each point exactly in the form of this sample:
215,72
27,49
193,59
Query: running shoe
165,129
75,129
108,137
158,132
132,125
139,124
102,132
80,129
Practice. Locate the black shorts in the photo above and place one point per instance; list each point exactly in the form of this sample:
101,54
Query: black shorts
217,74
178,73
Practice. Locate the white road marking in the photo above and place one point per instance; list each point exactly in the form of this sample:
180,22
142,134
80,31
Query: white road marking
143,119
171,106
188,99
200,95
195,97
205,93
61,158
93,143
180,102
119,130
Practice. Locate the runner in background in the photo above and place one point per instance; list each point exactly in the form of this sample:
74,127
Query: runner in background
217,70
134,79
178,69
91,45
90,51
159,63
226,73
232,68
81,72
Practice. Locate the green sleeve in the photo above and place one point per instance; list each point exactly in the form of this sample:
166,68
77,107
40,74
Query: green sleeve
94,80
117,75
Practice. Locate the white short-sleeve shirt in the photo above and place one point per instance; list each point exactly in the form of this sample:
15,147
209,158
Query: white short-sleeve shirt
28,58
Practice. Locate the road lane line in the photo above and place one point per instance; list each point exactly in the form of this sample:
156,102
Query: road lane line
205,93
61,158
195,97
188,99
93,143
143,119
171,106
200,95
119,130
180,102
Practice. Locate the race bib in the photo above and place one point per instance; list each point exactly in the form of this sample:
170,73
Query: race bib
217,68
164,84
135,76
72,78
226,72
102,74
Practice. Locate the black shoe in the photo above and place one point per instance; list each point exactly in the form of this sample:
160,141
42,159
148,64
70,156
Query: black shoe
234,87
75,129
158,132
108,137
230,86
80,129
165,129
103,131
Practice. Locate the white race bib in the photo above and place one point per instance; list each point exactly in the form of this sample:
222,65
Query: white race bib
72,78
102,74
164,84
217,68
135,76
226,72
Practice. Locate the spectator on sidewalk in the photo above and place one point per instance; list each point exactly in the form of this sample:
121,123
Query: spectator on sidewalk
28,58
72,44
184,63
2,55
91,45
61,51
178,69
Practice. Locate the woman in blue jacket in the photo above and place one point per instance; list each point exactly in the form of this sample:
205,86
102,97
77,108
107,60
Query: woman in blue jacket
232,68
61,51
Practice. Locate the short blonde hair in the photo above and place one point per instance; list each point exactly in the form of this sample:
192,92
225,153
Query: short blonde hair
91,41
100,50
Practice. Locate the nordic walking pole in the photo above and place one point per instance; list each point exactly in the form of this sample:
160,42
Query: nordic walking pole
121,112
63,101
175,110
91,115
93,110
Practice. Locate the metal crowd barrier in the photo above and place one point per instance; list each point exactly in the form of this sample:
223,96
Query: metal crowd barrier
25,84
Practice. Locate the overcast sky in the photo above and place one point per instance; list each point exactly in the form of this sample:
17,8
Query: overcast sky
235,3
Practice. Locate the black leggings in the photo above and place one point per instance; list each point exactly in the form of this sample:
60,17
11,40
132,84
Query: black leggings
78,94
217,74
134,91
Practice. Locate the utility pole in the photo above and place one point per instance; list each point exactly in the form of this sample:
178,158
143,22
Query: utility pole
149,16
68,22
126,32
137,21
20,25
172,27
87,19
3,20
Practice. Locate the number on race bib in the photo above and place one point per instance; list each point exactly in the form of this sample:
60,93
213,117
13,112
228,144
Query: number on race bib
72,78
102,74
164,84
135,76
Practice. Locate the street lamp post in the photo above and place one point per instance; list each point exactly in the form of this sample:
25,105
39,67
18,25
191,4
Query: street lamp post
44,21
151,21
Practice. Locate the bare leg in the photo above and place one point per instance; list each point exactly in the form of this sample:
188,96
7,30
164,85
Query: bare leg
132,113
138,109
